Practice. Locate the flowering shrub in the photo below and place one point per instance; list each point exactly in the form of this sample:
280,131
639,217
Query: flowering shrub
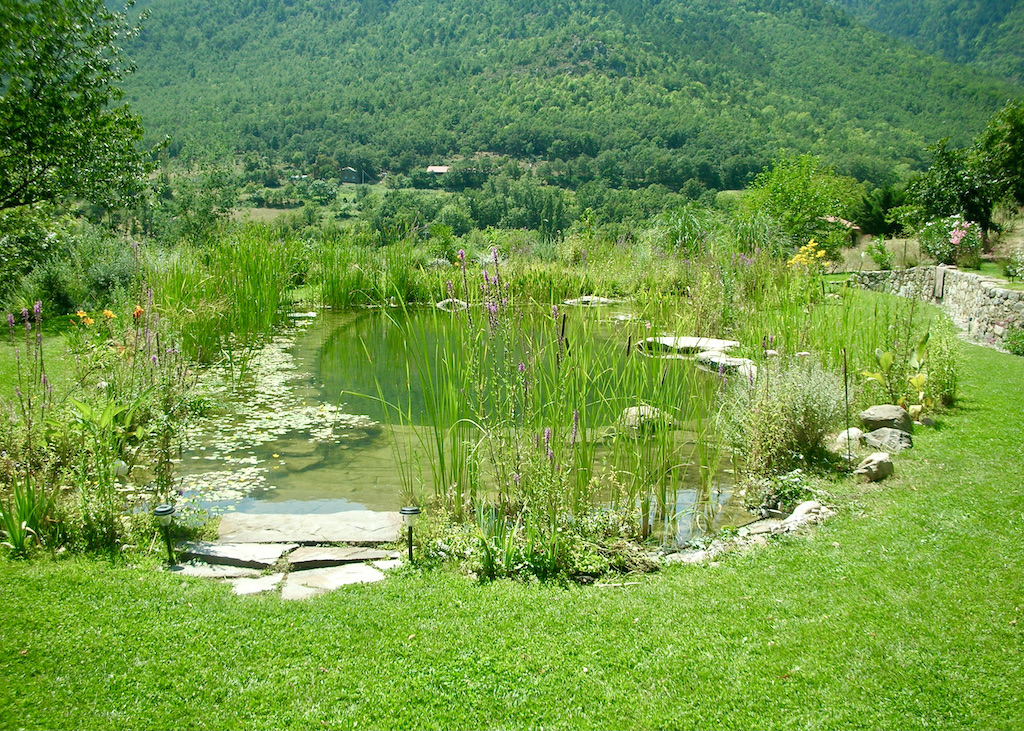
1014,264
951,240
810,258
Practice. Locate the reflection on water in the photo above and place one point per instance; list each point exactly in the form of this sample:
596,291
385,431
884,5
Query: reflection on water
292,435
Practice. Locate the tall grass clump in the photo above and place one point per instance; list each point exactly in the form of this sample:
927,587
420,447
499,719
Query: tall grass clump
231,291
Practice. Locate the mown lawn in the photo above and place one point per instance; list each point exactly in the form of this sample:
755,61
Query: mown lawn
905,611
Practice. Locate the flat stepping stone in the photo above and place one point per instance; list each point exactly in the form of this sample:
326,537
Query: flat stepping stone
317,557
215,571
590,300
350,526
688,344
246,555
306,584
243,587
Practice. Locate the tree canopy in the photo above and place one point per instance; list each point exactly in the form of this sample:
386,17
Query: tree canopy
60,132
692,95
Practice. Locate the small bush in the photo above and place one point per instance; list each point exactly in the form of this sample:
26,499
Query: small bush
1013,341
943,363
783,420
782,493
882,257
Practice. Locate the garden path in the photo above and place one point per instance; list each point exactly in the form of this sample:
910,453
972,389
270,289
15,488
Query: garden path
250,545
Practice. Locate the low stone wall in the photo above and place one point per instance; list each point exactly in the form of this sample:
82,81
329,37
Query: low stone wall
978,305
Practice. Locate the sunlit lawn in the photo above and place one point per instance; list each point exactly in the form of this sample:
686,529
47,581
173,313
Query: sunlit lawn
905,611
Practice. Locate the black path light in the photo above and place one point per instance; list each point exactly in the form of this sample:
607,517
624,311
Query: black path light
164,514
409,516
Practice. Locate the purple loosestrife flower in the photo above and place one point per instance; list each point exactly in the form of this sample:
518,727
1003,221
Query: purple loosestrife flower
554,312
547,436
451,289
494,254
515,477
521,367
37,310
575,425
487,278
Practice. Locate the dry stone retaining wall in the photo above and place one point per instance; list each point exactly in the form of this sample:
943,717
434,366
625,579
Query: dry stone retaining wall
978,305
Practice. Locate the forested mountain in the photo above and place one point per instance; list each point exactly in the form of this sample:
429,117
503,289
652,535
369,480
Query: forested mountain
691,94
988,33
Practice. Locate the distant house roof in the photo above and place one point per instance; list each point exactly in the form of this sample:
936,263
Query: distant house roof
843,222
439,169
348,170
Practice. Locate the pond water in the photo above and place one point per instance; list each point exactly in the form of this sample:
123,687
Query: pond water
289,434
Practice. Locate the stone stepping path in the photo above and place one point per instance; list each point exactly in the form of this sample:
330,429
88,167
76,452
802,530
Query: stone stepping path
306,584
316,557
245,555
250,544
352,526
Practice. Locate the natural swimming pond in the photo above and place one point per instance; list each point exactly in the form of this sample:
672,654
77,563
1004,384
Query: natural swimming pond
302,425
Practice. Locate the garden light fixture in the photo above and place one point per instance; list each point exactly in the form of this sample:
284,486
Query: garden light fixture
164,514
409,516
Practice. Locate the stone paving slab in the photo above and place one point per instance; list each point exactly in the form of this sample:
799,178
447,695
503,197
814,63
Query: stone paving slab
214,571
352,526
306,584
688,344
315,557
243,587
247,555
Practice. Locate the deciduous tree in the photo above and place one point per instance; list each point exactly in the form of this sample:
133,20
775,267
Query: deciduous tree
62,132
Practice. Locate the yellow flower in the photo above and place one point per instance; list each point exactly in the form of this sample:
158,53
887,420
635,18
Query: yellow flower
86,320
109,315
81,313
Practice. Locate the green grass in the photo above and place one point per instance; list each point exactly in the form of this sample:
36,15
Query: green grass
905,611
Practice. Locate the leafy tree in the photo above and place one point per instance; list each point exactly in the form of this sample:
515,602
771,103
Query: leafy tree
322,192
955,185
59,63
1001,148
804,195
874,212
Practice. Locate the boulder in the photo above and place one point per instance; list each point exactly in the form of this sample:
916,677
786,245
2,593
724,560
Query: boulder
718,362
452,305
876,466
887,415
848,439
888,439
642,419
806,512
